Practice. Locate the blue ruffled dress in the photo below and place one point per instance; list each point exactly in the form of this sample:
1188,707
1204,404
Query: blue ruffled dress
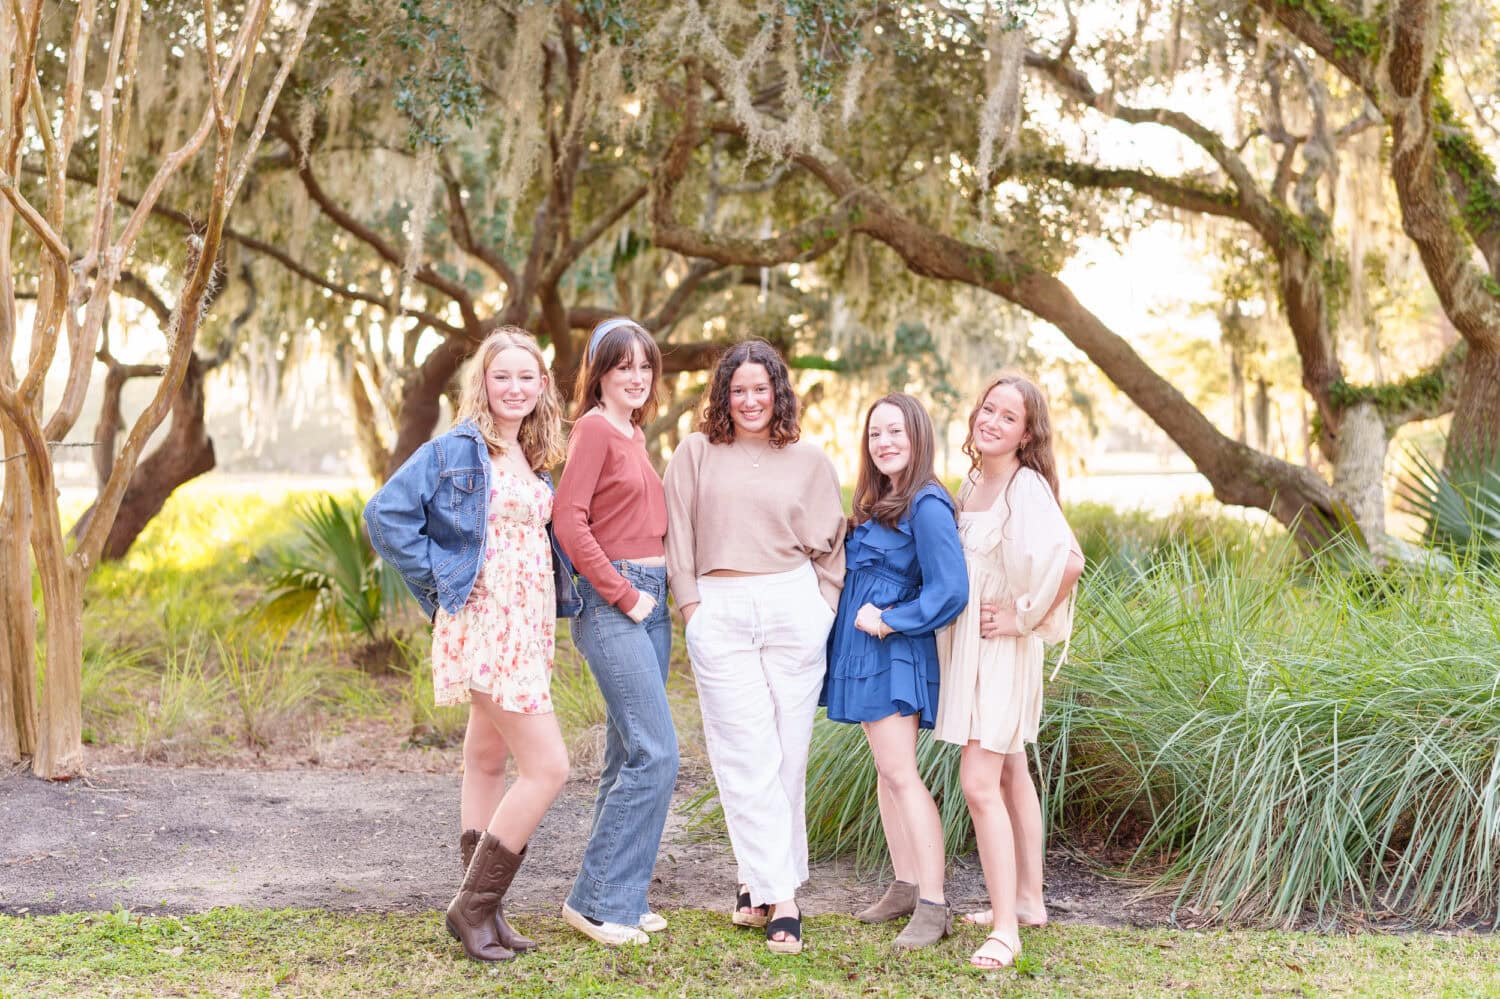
917,570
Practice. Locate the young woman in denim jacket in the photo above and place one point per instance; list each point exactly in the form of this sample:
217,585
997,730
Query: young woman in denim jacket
904,579
466,522
611,519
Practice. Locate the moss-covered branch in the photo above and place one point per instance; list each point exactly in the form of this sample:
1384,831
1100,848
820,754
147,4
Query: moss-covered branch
1424,395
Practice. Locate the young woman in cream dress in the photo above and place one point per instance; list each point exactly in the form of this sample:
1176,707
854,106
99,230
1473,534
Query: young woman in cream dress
1023,562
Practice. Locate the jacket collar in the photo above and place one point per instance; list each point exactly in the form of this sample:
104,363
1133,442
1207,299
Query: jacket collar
469,429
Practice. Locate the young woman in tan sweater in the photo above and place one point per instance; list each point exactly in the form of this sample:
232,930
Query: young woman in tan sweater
755,561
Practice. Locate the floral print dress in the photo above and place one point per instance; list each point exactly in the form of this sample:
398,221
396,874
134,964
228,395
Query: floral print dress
501,641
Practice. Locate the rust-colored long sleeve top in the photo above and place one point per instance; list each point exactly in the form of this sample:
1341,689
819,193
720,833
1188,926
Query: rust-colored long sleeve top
609,506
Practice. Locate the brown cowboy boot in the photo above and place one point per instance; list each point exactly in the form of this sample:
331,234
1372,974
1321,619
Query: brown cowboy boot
471,914
508,936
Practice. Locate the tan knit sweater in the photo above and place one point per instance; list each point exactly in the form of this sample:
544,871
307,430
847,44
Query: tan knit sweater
724,512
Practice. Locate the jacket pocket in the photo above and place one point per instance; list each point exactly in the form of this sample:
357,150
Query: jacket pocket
464,480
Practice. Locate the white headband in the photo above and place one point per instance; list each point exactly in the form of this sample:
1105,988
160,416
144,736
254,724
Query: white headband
603,328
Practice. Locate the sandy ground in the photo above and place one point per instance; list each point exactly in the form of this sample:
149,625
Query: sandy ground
162,839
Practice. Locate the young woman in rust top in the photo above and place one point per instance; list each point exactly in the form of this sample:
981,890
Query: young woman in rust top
611,519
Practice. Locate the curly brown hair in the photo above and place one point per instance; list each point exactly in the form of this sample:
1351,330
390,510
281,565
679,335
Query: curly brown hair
1035,451
877,496
718,425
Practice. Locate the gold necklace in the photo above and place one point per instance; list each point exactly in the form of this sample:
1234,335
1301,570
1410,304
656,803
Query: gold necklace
754,462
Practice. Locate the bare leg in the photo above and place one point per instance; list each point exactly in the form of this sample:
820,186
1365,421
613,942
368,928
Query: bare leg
485,753
1025,810
903,857
541,766
893,743
980,774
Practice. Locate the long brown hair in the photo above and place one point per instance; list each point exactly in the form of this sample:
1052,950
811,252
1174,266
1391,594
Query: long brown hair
1035,451
717,423
541,434
876,496
600,358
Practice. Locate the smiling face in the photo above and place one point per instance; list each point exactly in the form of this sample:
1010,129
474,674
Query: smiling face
1000,424
513,382
888,441
751,400
625,388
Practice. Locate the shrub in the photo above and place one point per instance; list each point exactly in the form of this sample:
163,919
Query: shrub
330,575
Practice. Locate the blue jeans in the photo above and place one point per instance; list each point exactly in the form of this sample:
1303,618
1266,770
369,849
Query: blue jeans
629,661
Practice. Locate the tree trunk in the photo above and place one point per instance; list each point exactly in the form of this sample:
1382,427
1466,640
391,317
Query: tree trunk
420,402
17,617
59,749
1475,435
1262,416
184,454
1294,495
366,427
1237,395
1359,471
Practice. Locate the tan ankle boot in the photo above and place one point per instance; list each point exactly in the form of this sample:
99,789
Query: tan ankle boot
900,899
929,923
471,914
509,938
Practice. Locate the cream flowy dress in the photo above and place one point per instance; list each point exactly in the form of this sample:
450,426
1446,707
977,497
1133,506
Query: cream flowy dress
1017,552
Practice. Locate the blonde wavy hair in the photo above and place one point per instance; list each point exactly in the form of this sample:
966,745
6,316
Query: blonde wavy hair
541,433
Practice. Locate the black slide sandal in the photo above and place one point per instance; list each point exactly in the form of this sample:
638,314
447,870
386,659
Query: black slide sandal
792,927
755,917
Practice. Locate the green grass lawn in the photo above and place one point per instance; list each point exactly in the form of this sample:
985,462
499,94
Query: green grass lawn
308,952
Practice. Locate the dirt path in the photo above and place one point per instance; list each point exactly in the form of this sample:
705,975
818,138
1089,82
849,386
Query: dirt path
157,839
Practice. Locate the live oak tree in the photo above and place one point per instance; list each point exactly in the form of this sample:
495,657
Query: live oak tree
63,250
925,152
1275,174
438,170
1445,180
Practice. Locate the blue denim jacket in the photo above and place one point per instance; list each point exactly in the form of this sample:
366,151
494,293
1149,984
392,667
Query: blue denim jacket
428,522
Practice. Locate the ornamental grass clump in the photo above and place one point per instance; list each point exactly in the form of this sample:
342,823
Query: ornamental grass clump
1286,742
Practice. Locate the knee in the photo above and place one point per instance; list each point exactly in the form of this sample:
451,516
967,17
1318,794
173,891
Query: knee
484,761
551,775
982,795
1015,775
655,756
899,777
661,763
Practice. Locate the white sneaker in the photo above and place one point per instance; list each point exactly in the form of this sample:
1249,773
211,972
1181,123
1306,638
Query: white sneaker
610,934
653,922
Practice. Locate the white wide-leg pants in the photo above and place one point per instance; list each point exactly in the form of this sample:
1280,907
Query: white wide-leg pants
758,645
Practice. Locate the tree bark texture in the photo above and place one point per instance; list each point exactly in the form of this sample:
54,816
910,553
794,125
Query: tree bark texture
1358,475
17,617
1475,434
59,747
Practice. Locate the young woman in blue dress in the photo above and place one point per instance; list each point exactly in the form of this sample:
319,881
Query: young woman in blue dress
904,579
